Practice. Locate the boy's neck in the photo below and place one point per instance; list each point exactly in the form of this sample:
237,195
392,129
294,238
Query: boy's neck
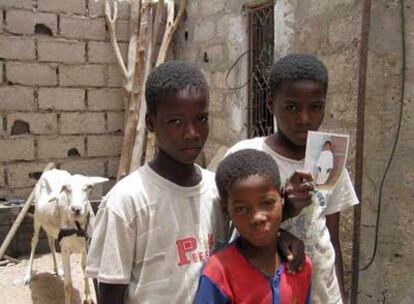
279,143
264,258
185,175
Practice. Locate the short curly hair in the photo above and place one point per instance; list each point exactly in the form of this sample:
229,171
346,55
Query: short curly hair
168,79
298,67
242,164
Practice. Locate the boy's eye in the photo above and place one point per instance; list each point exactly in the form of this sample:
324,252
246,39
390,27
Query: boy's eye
174,121
203,119
319,106
241,210
268,204
291,108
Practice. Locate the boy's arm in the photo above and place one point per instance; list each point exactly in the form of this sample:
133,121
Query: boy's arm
292,250
112,293
332,222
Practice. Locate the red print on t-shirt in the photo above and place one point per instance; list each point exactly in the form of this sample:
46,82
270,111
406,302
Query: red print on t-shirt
188,253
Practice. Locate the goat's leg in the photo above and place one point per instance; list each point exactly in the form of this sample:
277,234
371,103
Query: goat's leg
67,282
52,247
86,279
35,240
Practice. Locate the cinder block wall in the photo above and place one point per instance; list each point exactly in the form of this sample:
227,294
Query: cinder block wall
60,97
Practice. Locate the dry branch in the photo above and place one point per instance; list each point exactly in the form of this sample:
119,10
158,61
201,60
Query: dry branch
135,116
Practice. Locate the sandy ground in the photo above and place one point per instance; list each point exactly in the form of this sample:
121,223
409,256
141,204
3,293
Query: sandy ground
46,287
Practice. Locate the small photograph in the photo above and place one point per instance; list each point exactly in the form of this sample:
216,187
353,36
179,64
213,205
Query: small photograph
326,157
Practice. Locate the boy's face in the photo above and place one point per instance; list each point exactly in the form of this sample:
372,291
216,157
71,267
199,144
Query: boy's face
181,125
299,107
255,207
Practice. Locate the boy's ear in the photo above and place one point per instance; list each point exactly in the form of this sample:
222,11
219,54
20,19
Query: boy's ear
224,208
269,103
149,122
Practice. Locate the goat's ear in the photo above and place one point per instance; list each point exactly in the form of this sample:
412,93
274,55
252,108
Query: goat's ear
65,188
93,180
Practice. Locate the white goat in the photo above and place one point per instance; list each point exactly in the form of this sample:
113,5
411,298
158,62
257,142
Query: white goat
63,210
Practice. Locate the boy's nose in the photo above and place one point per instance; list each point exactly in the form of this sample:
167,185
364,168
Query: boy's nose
304,117
191,132
258,218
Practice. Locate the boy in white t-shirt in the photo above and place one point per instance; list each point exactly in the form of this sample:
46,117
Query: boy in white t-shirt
157,226
298,86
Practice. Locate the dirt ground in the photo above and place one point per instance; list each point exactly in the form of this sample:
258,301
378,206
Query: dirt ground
46,287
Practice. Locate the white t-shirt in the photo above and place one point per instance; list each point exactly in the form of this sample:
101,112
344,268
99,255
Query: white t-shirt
310,225
155,236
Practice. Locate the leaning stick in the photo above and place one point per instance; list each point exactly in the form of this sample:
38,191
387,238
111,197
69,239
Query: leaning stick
20,217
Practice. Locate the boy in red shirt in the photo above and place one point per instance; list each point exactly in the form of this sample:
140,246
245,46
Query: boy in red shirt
249,270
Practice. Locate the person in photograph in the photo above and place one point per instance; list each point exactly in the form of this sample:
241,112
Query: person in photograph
325,164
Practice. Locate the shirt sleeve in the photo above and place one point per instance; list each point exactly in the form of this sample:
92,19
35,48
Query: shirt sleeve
343,195
111,253
209,293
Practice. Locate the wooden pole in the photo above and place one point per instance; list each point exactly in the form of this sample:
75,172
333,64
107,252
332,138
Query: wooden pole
359,159
20,217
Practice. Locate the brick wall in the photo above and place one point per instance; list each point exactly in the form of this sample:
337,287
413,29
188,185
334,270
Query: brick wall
60,97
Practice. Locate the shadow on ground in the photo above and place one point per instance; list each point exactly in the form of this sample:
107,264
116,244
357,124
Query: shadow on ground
48,288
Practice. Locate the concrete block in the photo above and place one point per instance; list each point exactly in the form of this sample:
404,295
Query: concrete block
59,147
212,7
69,7
2,177
65,99
343,31
115,121
24,174
2,120
78,27
108,186
114,76
82,123
112,168
39,123
61,51
16,98
21,48
82,75
216,101
90,167
105,99
219,80
102,52
96,9
122,30
17,149
16,3
31,73
204,31
104,145
23,22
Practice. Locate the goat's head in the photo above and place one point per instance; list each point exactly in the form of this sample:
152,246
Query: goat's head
75,193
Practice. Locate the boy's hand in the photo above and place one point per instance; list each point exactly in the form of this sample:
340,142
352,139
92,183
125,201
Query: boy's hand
292,250
297,193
